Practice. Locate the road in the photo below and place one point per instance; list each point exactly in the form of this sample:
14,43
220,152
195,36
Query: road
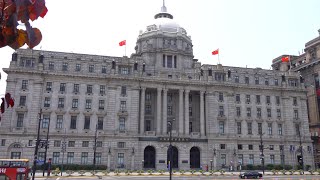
309,177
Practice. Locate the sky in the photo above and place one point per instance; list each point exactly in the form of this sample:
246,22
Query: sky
248,33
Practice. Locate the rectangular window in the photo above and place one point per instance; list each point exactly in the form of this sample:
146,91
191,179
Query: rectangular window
15,155
84,158
280,129
237,98
121,144
293,82
170,97
101,104
276,82
55,156
78,67
238,109
256,80
239,146
236,79
86,122
269,128
248,112
277,100
24,84
259,128
247,98
250,147
222,146
220,96
296,115
249,127
148,109
294,101
169,110
29,63
102,89
59,124
22,101
297,129
3,142
239,127
89,89
268,99
49,86
240,159
62,87
221,111
71,144
223,159
56,143
258,101
258,112
73,122
20,120
76,88
85,143
278,113
271,159
123,106
70,157
148,125
30,143
75,103
51,65
251,159
124,70
175,61
266,81
61,103
45,121
163,60
41,156
91,68
219,76
64,66
99,143
122,125
169,61
269,113
46,102
104,70
88,103
121,160
247,80
221,127
123,90
100,123
98,157
148,96
282,158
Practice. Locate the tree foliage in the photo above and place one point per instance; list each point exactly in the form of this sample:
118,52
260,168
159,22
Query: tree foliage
20,12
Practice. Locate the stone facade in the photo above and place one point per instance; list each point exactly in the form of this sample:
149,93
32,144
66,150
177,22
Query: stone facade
217,112
307,64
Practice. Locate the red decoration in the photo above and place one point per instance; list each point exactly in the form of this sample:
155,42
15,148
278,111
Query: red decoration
215,52
122,43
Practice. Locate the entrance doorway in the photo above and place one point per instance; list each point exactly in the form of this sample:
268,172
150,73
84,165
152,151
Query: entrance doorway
194,157
175,155
149,157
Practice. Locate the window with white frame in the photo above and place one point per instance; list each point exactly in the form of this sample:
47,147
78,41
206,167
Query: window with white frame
221,111
238,98
59,123
61,103
75,103
294,99
64,66
104,70
296,115
277,100
23,100
239,127
268,99
221,127
121,160
148,109
101,104
84,158
88,103
278,113
89,89
220,96
280,129
271,159
62,87
73,122
248,98
122,125
256,80
86,122
76,88
269,128
98,157
260,128
248,112
20,120
70,157
78,67
123,90
276,82
46,102
123,105
269,112
102,89
55,156
238,109
251,159
49,86
24,84
258,112
91,68
45,121
100,123
223,159
258,100
249,124
51,65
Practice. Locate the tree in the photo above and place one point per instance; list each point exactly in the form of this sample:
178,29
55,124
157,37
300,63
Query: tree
19,12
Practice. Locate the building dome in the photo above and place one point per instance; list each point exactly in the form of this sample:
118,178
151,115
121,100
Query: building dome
167,24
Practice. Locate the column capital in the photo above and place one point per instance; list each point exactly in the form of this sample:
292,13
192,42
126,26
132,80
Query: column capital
143,88
165,90
159,89
181,90
187,90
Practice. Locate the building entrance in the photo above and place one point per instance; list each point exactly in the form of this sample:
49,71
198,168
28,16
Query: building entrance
149,157
194,157
175,159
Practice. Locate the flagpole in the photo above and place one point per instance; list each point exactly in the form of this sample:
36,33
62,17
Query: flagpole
125,49
218,56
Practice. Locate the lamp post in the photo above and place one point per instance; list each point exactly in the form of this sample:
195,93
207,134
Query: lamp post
261,149
95,147
46,150
214,155
63,149
211,164
36,148
170,148
301,152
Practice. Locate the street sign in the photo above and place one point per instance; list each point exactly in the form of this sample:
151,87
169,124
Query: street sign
40,162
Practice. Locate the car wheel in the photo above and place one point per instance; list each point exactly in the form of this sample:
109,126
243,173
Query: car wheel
245,177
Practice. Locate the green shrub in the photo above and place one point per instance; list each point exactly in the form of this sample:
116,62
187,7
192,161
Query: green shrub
249,167
161,171
287,167
192,171
270,166
182,172
150,171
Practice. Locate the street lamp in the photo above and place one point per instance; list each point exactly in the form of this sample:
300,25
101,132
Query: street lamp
95,148
46,150
301,152
261,149
170,148
63,149
36,148
211,164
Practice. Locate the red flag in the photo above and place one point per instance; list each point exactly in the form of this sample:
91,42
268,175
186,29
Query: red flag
285,59
215,52
122,43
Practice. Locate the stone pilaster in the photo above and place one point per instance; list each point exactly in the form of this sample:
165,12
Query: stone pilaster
202,131
159,111
180,111
186,110
164,111
142,108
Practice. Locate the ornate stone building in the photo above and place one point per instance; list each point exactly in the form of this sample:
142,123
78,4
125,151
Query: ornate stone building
219,114
307,64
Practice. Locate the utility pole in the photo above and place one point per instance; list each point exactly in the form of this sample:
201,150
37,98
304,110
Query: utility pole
46,150
261,149
63,148
95,148
36,148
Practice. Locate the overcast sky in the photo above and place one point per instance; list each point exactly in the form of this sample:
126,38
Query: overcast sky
248,32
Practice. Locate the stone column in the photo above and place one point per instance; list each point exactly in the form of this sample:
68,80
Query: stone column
164,111
108,163
142,108
202,132
132,162
186,110
159,111
180,111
